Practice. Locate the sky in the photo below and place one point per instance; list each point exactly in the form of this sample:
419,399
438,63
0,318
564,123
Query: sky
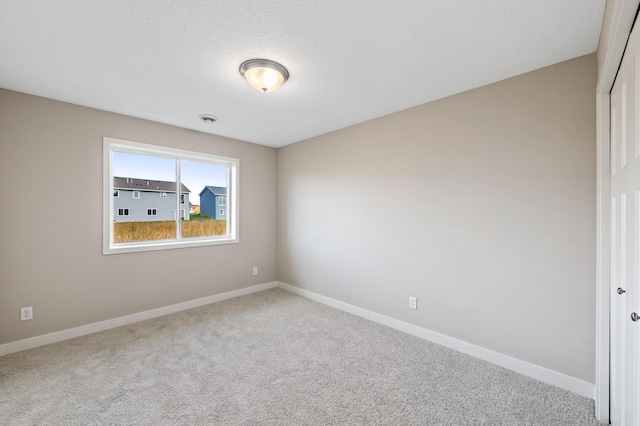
195,175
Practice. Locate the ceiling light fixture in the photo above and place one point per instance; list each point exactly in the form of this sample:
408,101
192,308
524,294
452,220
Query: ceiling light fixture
264,75
208,118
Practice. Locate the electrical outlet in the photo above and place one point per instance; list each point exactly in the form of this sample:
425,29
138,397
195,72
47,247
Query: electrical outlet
26,313
255,270
413,302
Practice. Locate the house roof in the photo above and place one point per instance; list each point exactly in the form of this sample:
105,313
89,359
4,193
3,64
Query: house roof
146,185
216,190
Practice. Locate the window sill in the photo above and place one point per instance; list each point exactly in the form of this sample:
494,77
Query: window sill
109,249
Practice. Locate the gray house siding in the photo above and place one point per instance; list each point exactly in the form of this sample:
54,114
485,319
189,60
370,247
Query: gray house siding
210,204
147,205
221,206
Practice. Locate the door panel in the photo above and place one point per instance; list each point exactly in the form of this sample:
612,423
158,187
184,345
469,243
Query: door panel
625,238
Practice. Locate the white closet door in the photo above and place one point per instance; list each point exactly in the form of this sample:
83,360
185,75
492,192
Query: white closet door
625,238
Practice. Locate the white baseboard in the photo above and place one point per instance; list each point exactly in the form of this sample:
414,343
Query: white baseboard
542,374
59,336
545,375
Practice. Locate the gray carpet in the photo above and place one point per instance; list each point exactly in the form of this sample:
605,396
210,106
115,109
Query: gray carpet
270,358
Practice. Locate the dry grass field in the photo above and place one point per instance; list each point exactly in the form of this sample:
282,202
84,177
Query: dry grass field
199,226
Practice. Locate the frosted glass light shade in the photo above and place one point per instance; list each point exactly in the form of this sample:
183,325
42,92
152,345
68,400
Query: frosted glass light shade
264,75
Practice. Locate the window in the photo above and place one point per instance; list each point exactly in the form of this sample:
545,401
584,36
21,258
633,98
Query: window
223,212
137,167
116,193
222,200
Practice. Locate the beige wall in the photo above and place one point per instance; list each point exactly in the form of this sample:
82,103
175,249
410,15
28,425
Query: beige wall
51,235
481,204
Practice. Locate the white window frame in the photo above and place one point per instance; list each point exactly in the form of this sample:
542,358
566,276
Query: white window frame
116,193
232,164
136,192
125,211
152,212
222,212
222,201
182,199
163,195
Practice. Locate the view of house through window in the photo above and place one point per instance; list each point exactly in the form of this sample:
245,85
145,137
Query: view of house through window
159,196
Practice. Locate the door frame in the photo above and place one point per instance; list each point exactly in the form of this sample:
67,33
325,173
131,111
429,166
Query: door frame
622,16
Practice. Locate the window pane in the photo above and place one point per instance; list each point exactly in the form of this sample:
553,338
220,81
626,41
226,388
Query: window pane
207,182
145,215
143,210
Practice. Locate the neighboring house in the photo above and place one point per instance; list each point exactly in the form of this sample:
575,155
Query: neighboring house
144,200
213,202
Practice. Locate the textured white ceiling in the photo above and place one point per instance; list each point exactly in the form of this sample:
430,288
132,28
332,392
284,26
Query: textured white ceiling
349,61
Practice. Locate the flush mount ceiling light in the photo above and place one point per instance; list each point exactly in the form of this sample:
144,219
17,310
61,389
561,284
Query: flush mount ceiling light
208,118
264,75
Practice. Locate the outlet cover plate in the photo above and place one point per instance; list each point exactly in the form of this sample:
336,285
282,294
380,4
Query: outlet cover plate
26,313
413,302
